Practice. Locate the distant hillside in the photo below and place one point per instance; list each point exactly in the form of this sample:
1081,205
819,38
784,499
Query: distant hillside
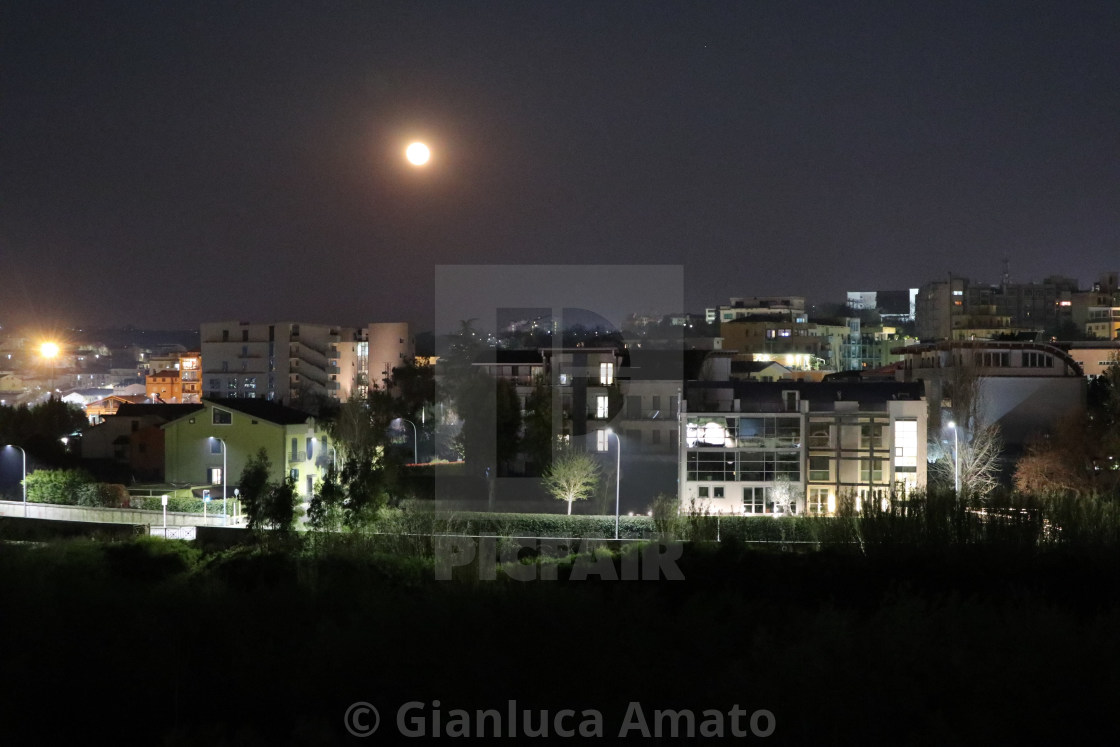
148,338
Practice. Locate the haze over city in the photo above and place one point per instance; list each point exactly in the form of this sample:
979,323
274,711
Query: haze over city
165,165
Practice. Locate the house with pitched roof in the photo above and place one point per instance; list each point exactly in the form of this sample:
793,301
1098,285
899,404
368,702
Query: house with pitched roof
211,446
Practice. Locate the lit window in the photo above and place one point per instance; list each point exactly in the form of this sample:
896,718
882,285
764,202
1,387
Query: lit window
906,446
602,440
601,406
818,501
606,374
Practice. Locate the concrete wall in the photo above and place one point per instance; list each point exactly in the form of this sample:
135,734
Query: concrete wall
104,515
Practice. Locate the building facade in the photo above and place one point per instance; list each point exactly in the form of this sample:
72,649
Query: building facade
772,448
230,432
1024,388
281,362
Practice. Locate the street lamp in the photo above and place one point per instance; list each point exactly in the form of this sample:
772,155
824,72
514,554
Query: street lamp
49,350
13,446
415,438
225,513
956,460
334,451
617,477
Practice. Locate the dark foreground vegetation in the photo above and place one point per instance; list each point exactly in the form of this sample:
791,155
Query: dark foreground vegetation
866,642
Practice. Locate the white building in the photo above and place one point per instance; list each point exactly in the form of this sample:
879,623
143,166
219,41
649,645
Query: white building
287,361
770,448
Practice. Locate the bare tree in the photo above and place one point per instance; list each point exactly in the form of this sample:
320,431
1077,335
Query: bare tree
785,494
973,455
571,477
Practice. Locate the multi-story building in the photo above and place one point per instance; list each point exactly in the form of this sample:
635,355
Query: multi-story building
785,308
365,357
959,309
800,346
870,348
608,398
391,345
939,303
1104,293
282,362
1025,388
893,306
799,447
175,378
1103,322
1093,357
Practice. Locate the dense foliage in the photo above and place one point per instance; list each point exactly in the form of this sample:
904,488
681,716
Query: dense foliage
903,647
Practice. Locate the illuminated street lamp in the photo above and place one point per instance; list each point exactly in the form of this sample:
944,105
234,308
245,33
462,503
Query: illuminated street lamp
13,446
334,451
49,351
956,460
617,477
415,438
225,517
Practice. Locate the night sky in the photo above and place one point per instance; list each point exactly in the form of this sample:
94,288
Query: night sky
165,164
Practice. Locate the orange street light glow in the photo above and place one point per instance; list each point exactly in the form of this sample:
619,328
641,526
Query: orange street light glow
418,154
48,350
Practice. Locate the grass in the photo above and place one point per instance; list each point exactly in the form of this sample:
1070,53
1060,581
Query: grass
967,643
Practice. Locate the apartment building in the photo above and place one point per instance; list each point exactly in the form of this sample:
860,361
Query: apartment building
771,448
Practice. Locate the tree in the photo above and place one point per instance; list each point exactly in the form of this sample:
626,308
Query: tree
571,477
785,494
325,510
1082,456
507,424
539,438
977,446
254,486
1057,463
280,505
268,505
977,457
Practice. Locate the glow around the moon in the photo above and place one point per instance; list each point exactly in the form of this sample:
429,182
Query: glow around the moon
418,154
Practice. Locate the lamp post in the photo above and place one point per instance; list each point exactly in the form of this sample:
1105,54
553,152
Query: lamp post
225,513
956,460
415,438
617,476
334,451
24,483
49,350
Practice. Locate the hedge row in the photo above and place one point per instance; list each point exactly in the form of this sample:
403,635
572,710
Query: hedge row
181,505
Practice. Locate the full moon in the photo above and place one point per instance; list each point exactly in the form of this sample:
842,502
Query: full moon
417,154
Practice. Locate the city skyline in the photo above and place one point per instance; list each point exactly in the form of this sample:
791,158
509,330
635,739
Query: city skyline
167,166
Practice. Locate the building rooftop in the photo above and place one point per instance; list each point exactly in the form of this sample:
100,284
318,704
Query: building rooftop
263,409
